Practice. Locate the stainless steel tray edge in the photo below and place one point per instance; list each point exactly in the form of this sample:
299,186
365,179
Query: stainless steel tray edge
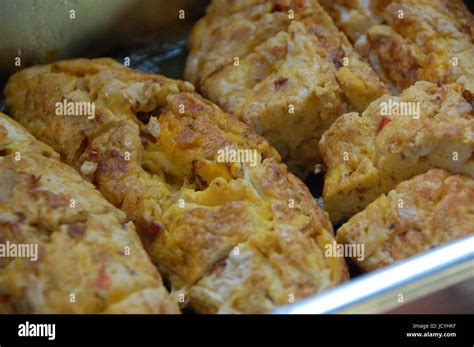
379,291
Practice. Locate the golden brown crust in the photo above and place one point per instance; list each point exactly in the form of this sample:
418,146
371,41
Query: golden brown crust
291,81
423,212
410,40
85,246
370,154
153,151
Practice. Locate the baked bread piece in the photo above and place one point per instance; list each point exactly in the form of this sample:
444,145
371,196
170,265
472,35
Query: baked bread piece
369,154
421,213
291,81
80,255
230,236
410,40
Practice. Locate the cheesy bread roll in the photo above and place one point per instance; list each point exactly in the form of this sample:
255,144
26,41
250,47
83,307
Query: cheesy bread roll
282,67
393,140
420,213
410,40
228,226
64,248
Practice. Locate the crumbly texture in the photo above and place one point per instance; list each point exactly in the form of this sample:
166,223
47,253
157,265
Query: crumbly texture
230,236
421,213
291,81
410,40
89,250
369,154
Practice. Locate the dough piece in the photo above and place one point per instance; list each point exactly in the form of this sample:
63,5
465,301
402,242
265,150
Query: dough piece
229,235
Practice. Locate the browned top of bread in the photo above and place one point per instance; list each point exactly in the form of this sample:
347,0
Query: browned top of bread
295,74
366,155
410,40
88,258
232,236
420,213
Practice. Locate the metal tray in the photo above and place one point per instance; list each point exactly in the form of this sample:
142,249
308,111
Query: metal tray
437,281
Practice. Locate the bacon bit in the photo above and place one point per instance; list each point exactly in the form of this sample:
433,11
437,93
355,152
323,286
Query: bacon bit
305,288
103,280
274,175
383,122
300,3
277,8
3,132
278,51
150,231
280,5
33,180
82,147
93,155
4,298
54,200
14,226
146,135
76,230
466,29
187,138
336,62
469,97
190,103
113,162
279,82
361,190
100,115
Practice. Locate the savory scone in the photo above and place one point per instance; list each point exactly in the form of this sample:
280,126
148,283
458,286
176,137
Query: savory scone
229,227
64,248
282,67
421,213
394,139
410,40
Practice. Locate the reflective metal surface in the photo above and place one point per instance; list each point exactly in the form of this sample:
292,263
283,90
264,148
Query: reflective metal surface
41,31
393,288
